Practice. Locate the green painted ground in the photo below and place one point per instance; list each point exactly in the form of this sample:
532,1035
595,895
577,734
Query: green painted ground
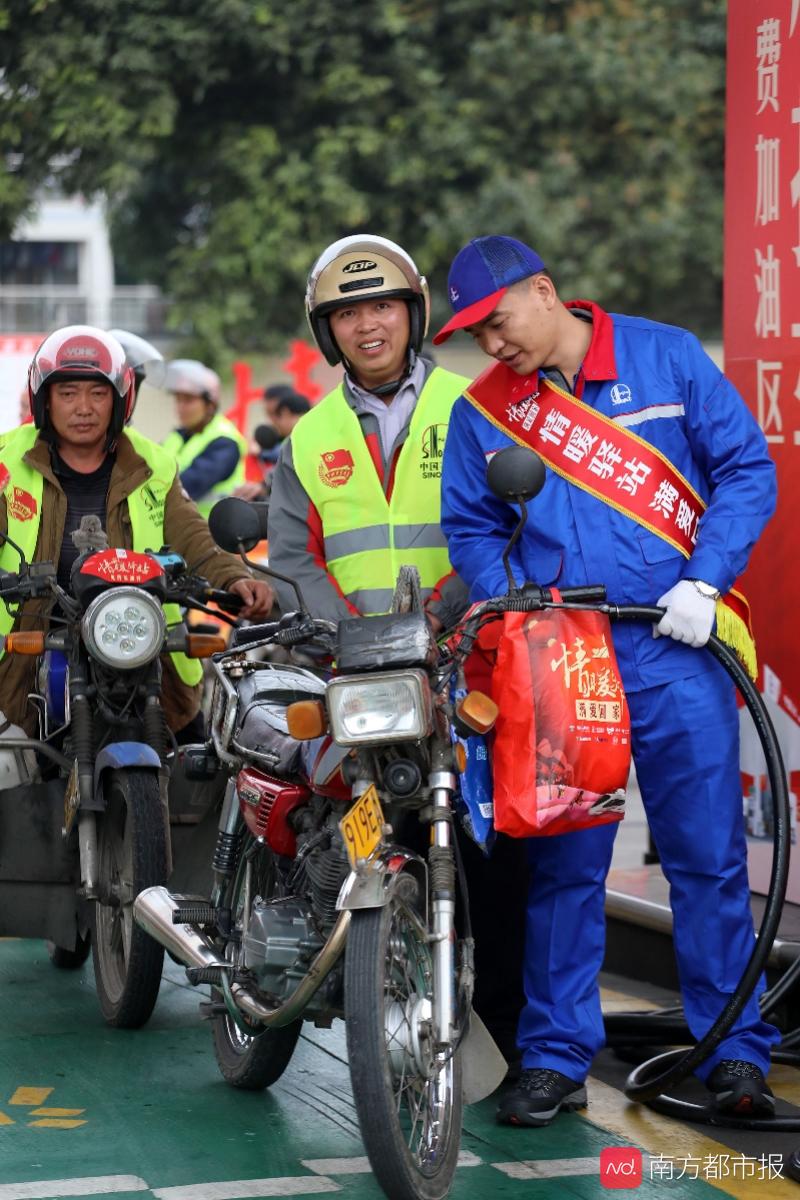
153,1105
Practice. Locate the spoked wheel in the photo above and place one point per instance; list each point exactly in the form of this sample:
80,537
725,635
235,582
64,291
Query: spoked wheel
407,1097
251,1060
70,960
132,855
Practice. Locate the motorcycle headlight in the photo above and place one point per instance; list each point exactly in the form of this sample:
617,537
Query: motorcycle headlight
125,627
392,707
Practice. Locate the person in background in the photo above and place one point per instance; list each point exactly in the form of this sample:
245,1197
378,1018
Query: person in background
207,446
273,394
284,408
147,362
288,412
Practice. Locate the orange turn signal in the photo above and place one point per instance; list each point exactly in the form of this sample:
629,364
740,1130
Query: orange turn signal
478,711
203,645
25,643
306,719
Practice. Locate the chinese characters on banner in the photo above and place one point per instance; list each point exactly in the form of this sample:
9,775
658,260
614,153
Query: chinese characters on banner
762,355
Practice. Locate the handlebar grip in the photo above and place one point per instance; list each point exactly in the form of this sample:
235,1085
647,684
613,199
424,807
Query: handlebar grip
636,612
253,633
591,594
223,600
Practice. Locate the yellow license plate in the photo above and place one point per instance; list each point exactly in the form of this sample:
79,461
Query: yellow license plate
362,826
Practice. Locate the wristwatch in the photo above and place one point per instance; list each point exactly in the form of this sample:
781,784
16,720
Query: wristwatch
706,589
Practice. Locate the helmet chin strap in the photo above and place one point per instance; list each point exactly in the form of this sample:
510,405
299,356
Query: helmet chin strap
394,385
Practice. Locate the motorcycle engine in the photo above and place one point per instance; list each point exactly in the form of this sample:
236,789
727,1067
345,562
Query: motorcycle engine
279,937
283,935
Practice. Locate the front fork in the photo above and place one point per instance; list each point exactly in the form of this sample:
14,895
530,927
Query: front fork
363,889
441,858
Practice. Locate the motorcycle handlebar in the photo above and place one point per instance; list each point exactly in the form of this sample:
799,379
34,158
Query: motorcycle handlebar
282,633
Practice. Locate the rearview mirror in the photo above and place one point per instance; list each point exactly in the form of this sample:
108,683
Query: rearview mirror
516,474
237,524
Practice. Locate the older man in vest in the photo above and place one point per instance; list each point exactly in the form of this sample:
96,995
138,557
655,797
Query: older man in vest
356,495
77,459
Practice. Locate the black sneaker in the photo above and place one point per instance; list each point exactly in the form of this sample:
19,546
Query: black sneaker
538,1096
740,1088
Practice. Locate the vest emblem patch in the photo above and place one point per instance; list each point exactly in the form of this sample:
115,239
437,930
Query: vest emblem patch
432,450
21,505
336,467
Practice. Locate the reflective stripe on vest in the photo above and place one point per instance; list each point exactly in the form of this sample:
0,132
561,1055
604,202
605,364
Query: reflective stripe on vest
185,452
145,508
368,538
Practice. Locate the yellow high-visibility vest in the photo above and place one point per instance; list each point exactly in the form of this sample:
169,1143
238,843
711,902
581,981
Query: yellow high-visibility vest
145,508
367,537
185,452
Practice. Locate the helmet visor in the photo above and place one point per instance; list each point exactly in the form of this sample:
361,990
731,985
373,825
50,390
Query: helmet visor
142,356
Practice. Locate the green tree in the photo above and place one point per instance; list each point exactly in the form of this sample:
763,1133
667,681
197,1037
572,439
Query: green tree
236,138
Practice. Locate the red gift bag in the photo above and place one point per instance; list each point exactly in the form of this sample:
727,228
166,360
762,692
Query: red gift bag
561,748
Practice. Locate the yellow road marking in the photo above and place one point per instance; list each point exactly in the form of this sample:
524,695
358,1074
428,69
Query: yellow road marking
57,1112
55,1123
30,1095
4,1120
657,1134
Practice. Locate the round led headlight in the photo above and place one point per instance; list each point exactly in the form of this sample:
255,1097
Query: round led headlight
125,627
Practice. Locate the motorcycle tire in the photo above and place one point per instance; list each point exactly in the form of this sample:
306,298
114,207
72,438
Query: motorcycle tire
251,1063
410,1117
132,855
70,960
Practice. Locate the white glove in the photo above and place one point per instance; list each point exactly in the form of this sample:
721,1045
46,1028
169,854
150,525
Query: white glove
689,617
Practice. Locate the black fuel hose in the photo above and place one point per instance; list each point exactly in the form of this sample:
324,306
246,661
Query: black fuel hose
649,1082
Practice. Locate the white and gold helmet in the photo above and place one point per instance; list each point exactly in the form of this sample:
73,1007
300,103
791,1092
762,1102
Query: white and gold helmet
362,267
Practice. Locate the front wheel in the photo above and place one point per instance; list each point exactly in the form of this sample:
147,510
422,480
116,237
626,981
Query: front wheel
407,1096
132,855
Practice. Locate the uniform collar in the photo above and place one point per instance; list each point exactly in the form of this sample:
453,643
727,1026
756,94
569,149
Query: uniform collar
599,362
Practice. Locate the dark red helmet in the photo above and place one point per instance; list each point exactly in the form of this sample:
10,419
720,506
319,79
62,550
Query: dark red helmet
81,352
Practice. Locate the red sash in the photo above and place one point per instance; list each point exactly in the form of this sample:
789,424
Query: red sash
610,462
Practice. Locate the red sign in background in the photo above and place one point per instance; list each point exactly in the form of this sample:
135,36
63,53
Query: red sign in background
762,355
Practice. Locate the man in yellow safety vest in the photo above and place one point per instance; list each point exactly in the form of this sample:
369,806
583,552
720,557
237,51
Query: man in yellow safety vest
208,447
356,495
76,459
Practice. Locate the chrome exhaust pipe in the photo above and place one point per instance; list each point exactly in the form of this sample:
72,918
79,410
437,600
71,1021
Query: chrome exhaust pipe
153,909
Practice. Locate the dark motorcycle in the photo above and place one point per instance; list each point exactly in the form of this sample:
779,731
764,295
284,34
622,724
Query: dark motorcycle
337,832
86,827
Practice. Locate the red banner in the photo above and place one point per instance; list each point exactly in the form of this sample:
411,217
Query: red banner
762,335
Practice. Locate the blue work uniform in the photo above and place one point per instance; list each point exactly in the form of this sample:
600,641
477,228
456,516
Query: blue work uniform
658,381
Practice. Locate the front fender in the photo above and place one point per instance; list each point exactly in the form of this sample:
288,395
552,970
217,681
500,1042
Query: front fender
374,883
123,754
